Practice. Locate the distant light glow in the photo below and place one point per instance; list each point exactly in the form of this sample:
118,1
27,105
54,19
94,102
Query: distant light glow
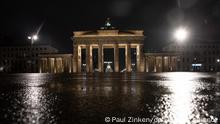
35,37
218,60
182,87
181,34
108,67
196,64
108,24
1,68
107,62
184,105
29,37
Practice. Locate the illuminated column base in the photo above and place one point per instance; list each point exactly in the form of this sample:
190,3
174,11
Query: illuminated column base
116,58
75,58
89,62
128,57
79,59
100,57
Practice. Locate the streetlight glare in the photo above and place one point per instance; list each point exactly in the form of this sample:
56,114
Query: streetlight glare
181,34
35,37
29,37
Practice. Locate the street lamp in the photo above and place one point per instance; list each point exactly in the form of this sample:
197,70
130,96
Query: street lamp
32,58
33,38
181,34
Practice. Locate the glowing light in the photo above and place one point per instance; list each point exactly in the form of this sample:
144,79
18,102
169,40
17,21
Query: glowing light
108,24
182,106
33,98
29,37
181,34
181,99
218,60
108,67
35,37
196,64
32,38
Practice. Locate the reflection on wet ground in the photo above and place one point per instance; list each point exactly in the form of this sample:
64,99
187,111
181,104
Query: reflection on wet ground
175,98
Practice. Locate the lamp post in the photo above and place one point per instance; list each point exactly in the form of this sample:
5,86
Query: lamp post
33,38
180,35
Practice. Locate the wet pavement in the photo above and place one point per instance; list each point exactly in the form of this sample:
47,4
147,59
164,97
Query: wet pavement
175,98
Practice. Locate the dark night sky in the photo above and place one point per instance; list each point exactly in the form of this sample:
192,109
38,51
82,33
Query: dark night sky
157,18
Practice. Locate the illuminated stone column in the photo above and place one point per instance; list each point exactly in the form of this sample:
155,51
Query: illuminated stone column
62,65
128,57
40,65
79,59
100,57
116,58
147,65
87,58
89,62
138,57
48,65
142,58
155,64
169,64
163,64
51,65
70,65
44,62
59,65
75,57
55,65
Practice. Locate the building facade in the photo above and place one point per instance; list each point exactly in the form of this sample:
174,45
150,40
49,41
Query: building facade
125,54
89,54
196,55
21,59
55,63
161,62
108,37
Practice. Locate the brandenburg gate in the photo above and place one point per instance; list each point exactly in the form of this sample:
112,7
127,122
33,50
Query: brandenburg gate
90,54
107,37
